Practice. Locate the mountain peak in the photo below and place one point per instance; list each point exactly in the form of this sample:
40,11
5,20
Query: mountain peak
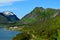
8,13
39,8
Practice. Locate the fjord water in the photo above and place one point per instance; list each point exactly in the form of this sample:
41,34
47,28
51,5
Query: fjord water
7,34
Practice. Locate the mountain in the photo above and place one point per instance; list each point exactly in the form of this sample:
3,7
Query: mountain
33,16
40,24
7,16
45,25
39,13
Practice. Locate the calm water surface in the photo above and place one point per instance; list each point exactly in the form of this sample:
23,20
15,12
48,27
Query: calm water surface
6,34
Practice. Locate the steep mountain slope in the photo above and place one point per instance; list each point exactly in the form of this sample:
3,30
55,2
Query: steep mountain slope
33,16
38,13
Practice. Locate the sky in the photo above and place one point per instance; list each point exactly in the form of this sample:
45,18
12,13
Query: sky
23,7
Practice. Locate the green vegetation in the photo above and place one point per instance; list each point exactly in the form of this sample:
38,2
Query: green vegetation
40,24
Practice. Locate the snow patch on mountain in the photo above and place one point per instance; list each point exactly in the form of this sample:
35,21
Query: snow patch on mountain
8,13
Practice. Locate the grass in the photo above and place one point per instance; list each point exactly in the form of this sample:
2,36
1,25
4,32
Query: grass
58,35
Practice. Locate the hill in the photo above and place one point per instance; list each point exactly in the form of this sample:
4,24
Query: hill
40,24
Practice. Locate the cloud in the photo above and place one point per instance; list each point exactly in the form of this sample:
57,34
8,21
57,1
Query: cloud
8,2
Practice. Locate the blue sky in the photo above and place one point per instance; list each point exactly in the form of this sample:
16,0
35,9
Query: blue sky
22,7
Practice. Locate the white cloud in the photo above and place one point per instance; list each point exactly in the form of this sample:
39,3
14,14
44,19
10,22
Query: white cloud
8,2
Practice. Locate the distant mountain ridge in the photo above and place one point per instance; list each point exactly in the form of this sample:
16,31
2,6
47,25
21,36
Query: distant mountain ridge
8,17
